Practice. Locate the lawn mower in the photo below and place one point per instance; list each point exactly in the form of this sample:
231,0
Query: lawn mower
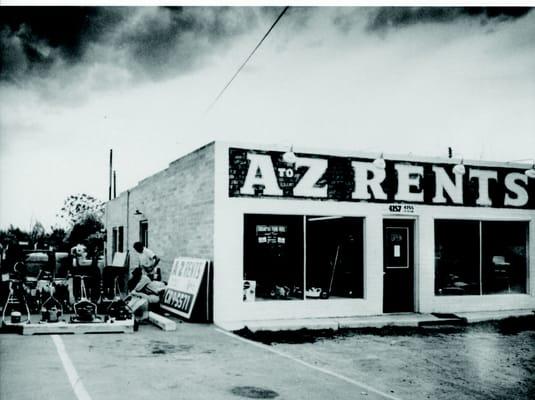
84,309
118,309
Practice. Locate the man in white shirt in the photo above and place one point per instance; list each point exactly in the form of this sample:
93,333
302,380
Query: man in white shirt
148,261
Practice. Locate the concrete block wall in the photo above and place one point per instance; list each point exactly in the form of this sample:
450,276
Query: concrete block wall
177,203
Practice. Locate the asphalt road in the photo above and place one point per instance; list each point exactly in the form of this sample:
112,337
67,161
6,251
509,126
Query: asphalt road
203,362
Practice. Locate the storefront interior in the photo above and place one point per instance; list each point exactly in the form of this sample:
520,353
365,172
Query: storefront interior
480,257
283,252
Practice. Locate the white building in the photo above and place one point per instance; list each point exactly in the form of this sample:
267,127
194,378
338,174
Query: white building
330,234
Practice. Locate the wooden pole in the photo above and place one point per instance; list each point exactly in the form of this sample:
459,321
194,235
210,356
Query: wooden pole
111,166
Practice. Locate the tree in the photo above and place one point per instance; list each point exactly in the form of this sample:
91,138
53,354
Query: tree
89,232
77,207
38,235
83,214
14,234
57,238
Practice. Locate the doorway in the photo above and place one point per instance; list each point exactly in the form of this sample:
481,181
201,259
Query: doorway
398,265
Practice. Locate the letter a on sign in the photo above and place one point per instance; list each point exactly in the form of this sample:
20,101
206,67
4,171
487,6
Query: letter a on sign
260,173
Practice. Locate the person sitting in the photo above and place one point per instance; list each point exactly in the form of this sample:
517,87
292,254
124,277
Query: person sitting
143,293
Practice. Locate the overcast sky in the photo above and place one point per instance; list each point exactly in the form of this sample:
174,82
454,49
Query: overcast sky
75,82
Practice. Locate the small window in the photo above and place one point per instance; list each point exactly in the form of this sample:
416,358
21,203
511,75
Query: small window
120,239
144,232
114,240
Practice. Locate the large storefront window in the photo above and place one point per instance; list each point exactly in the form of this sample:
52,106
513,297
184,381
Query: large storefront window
275,249
457,257
480,257
504,257
273,257
334,261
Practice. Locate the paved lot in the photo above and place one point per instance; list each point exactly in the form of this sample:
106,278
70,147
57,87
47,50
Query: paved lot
483,361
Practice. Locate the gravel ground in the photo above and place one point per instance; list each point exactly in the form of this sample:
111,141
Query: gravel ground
491,360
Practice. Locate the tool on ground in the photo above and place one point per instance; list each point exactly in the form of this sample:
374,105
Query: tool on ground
334,269
84,309
118,309
15,306
51,310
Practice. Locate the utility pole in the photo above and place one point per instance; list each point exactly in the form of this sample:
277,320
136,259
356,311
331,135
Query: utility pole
111,167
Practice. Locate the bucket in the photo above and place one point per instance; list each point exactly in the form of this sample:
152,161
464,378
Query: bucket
16,317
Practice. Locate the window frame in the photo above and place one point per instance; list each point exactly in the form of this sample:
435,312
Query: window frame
480,222
144,232
304,218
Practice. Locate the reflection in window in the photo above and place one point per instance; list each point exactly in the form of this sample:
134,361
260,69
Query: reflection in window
480,257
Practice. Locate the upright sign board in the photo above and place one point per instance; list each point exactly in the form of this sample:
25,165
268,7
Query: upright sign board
183,286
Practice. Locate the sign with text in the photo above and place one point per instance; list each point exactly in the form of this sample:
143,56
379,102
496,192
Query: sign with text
183,285
265,174
401,209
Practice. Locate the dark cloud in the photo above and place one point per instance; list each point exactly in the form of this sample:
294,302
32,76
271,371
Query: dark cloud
158,42
167,41
383,18
34,40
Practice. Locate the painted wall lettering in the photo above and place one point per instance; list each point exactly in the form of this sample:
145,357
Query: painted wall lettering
308,184
409,182
520,194
368,177
259,173
483,177
444,184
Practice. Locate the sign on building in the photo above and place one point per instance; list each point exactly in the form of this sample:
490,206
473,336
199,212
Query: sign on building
258,173
184,284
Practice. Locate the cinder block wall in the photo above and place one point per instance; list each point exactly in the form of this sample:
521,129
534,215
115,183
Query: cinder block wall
177,203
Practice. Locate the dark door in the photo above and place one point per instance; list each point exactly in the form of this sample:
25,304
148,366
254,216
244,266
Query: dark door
398,259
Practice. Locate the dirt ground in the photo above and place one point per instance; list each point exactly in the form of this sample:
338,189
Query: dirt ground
481,361
490,360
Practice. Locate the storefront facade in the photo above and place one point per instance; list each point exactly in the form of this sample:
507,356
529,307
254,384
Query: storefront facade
331,235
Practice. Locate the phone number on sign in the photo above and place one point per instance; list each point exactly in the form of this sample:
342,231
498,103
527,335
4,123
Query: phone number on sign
179,300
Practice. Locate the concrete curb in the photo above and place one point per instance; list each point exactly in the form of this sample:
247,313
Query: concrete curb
381,321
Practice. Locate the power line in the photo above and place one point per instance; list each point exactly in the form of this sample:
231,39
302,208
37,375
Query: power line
247,59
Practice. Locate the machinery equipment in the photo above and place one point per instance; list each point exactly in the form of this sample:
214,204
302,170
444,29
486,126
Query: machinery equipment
51,310
84,309
118,309
15,311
